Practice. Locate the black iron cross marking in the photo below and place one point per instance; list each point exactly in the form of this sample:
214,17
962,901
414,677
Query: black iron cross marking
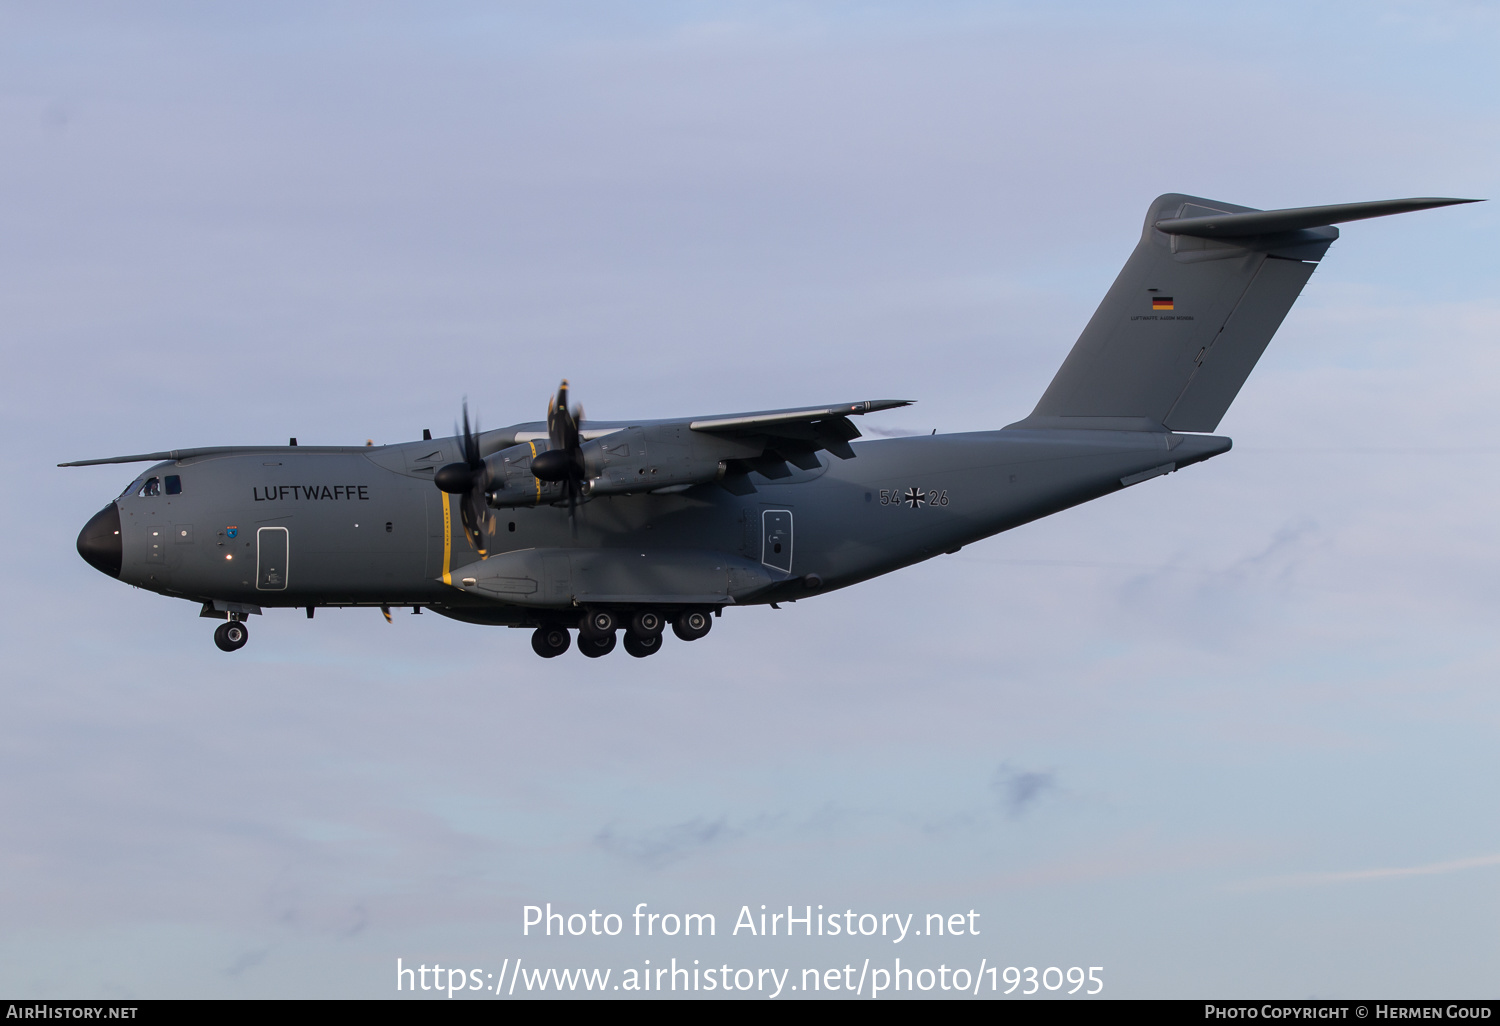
915,498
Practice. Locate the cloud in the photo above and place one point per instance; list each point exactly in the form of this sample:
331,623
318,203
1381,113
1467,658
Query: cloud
246,960
659,847
1361,875
1020,789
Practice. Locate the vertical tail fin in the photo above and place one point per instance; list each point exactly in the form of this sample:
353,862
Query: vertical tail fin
1191,312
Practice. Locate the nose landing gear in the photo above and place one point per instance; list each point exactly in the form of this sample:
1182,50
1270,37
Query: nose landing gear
231,636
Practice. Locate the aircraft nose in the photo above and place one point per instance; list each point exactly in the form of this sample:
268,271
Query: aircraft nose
99,541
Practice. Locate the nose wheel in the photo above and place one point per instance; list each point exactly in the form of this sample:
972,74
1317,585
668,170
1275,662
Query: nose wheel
231,636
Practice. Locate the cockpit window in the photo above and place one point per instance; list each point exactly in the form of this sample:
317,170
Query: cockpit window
174,484
130,489
151,487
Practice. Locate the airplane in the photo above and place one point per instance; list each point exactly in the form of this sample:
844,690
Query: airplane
619,528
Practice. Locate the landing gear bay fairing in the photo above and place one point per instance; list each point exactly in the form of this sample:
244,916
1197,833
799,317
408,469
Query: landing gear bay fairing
596,530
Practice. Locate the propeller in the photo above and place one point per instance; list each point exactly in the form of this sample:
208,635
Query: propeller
470,479
563,461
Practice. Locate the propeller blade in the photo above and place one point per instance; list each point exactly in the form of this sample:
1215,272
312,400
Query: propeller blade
469,479
476,517
471,441
562,423
563,461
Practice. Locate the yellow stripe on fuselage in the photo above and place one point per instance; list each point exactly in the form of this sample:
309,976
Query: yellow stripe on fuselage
447,540
538,480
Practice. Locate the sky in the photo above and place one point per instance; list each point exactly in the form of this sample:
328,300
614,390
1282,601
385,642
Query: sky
1230,733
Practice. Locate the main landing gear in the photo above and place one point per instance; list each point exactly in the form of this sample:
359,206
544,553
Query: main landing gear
231,636
596,633
600,630
548,642
594,647
643,636
692,625
641,646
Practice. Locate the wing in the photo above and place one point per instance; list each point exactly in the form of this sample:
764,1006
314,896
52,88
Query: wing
787,437
217,450
670,455
801,432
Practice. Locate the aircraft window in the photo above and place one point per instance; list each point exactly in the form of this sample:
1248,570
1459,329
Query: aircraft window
174,484
131,487
151,487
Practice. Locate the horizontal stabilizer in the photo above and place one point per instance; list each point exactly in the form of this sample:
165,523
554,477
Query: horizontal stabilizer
1271,222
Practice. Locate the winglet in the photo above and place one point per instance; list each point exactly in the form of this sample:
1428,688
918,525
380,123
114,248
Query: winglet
1271,222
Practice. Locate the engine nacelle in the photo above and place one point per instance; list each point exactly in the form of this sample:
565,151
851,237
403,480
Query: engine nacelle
656,456
511,482
651,457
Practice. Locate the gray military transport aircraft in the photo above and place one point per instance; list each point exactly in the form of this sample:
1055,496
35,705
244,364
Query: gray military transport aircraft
640,524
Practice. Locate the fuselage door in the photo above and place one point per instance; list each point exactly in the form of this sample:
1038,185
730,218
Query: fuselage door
557,578
271,545
776,539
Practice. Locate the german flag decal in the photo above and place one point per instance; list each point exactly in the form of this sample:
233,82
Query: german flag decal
1161,302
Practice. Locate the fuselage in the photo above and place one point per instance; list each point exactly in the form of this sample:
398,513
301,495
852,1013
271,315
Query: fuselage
675,520
296,527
